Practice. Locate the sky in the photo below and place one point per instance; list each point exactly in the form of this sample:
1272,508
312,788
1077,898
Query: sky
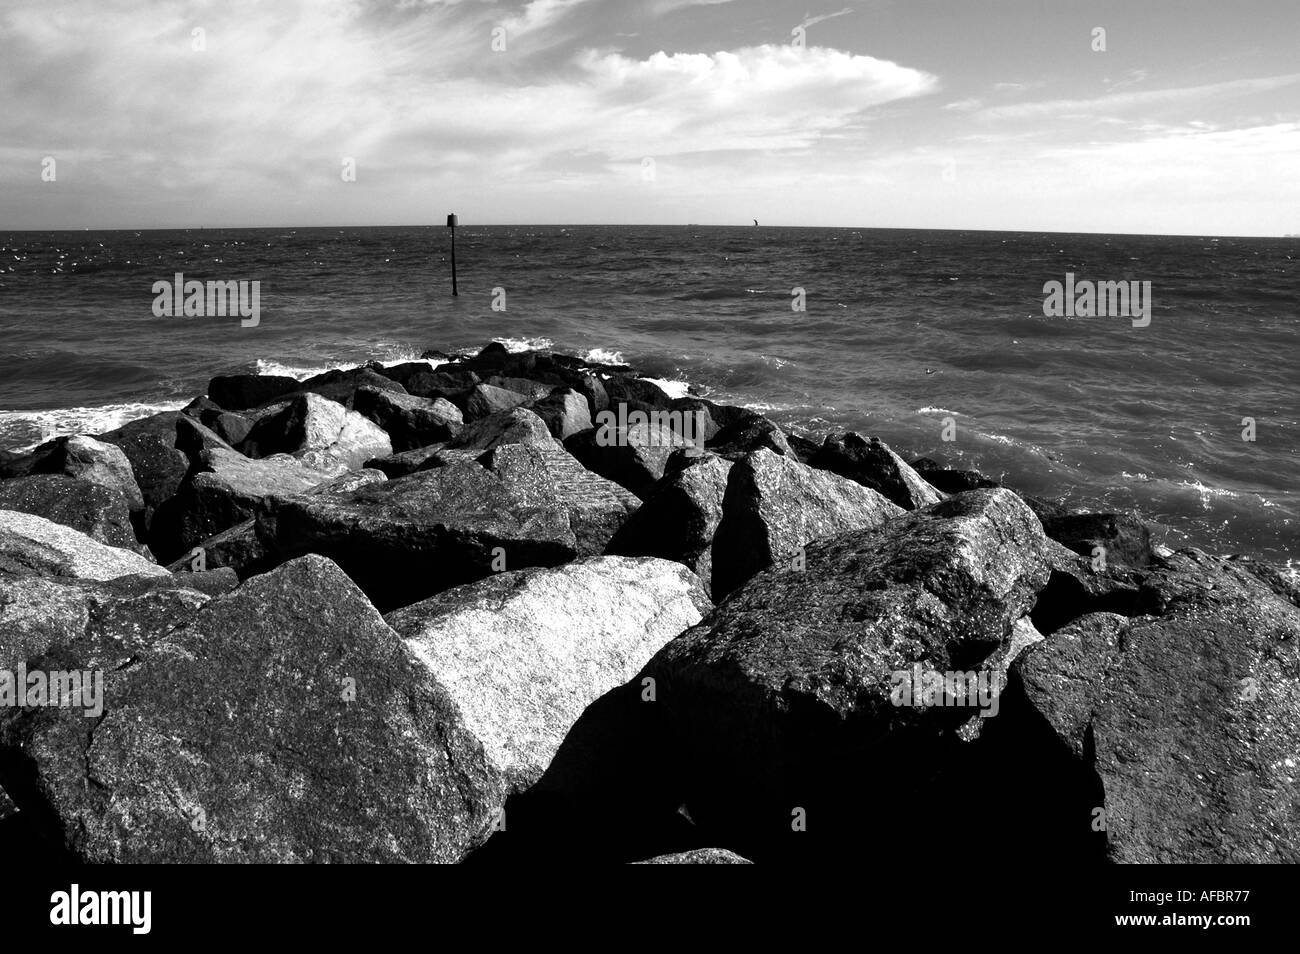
1159,116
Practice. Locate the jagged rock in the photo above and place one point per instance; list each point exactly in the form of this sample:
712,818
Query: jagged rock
679,518
193,438
700,856
775,505
405,372
635,457
202,406
286,716
1187,718
231,427
749,434
624,388
411,422
95,461
33,546
450,383
523,653
408,462
239,392
872,464
951,481
95,510
341,386
784,704
486,400
515,426
322,433
1079,586
1125,539
150,445
565,412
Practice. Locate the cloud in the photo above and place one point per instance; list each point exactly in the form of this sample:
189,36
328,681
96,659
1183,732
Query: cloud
809,21
1124,101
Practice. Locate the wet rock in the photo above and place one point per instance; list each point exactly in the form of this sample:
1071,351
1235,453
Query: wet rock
951,481
239,392
747,435
321,433
565,412
775,505
870,462
1123,538
283,722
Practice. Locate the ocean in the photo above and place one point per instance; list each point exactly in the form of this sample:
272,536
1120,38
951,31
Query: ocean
912,336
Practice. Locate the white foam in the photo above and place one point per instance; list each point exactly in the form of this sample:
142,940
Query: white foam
302,373
516,345
58,422
674,389
928,409
603,356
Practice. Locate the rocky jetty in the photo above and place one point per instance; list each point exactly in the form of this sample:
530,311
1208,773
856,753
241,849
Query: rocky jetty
510,607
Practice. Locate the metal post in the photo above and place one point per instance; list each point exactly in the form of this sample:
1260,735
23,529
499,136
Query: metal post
451,224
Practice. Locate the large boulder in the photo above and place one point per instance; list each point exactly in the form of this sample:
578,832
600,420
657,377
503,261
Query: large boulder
565,411
1121,538
95,461
747,434
321,432
785,704
410,421
342,385
150,445
225,489
484,400
89,508
775,505
1184,717
870,462
33,546
523,653
515,426
679,518
533,390
951,480
283,722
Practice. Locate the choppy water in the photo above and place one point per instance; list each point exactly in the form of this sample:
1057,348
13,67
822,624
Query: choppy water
903,329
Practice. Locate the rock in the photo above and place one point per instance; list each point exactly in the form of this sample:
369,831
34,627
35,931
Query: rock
747,435
565,412
951,481
411,422
230,427
700,856
1125,539
84,457
92,509
871,463
679,518
544,474
201,407
624,388
533,390
403,373
224,490
321,433
150,445
408,462
33,546
635,457
523,653
341,386
443,383
515,426
775,505
1186,720
286,715
407,539
485,400
239,392
193,438
1079,586
784,705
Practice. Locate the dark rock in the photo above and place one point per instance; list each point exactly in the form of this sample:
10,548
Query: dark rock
1123,537
679,518
784,705
201,407
95,461
624,388
533,390
435,355
193,438
565,412
443,383
872,464
239,392
411,422
89,508
951,481
150,445
747,435
342,385
230,427
283,722
775,505
408,462
1187,719
515,426
485,400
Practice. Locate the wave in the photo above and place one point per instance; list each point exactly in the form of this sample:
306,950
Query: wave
25,430
604,356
